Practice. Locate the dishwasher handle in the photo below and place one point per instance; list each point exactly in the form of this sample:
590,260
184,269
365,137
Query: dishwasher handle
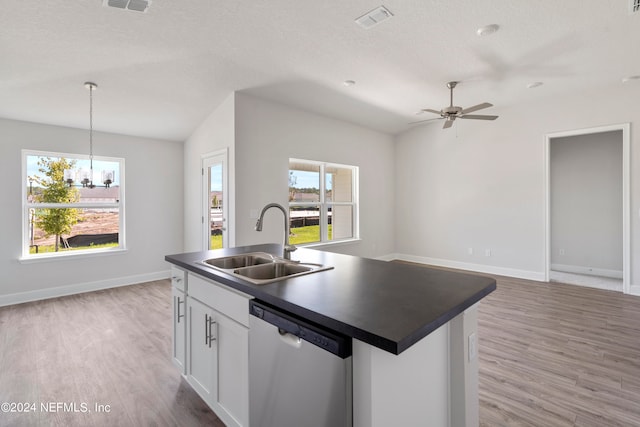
290,339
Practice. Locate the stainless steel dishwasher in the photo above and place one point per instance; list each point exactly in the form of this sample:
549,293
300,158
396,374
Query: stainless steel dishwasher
299,373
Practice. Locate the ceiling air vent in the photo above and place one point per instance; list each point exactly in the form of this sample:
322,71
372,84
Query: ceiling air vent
374,17
634,6
135,5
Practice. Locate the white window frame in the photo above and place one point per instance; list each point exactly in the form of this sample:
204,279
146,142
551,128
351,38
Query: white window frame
27,206
324,205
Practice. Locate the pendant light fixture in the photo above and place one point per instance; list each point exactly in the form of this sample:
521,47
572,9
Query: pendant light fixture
84,176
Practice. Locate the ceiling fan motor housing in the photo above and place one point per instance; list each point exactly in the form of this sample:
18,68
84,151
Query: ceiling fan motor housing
452,111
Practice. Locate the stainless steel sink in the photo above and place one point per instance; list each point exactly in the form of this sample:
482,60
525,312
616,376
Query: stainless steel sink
272,271
261,268
238,261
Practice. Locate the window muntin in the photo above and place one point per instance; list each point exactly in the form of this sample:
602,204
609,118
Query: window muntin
62,213
322,202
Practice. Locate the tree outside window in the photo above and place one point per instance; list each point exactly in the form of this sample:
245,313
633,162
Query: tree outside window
55,221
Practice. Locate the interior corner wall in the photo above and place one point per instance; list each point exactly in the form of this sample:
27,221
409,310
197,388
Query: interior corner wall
481,185
216,132
269,133
153,216
586,203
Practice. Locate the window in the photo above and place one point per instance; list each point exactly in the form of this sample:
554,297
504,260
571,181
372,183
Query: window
323,202
70,208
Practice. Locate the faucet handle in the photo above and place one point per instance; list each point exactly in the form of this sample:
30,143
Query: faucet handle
287,251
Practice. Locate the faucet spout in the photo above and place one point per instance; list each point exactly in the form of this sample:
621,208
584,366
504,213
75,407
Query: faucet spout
287,247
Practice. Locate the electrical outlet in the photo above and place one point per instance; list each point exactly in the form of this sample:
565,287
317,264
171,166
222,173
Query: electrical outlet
470,251
487,252
473,347
562,252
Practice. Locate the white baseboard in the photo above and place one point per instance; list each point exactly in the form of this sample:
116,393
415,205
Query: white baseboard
479,268
634,290
79,288
388,257
589,271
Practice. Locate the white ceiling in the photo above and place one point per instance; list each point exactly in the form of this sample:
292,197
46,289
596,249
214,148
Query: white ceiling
162,72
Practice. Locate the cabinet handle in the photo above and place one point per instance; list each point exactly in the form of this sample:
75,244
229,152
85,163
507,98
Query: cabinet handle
176,278
208,328
178,308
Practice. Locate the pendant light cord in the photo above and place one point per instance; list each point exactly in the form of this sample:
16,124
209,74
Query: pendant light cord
91,86
91,131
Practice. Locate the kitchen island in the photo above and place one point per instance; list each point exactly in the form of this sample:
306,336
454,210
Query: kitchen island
413,329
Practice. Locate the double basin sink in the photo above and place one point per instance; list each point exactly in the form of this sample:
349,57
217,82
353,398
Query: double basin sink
261,268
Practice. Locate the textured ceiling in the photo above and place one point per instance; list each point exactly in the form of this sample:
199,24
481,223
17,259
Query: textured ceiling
162,72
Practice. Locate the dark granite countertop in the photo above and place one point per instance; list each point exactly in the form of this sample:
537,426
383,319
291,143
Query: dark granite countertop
385,304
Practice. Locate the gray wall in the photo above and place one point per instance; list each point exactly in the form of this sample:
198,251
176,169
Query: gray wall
269,133
153,193
261,136
215,133
482,184
586,203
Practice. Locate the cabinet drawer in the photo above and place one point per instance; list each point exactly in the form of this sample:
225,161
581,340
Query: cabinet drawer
178,278
228,301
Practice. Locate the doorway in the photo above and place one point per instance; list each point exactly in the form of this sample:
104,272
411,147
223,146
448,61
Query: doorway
576,220
215,201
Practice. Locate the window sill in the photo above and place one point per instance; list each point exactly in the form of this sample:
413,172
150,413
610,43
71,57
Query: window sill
73,255
318,245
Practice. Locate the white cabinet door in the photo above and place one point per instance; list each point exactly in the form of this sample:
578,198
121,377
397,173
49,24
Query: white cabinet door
202,357
217,348
179,347
233,372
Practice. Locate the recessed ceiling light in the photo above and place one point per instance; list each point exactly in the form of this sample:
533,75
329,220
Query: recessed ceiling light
348,83
534,85
630,79
487,30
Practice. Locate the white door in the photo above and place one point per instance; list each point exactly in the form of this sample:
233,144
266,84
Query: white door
215,201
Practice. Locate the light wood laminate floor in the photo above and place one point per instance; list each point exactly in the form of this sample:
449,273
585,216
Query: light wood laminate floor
558,355
108,347
550,355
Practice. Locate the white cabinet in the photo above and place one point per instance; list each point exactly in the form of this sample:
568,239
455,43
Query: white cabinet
233,371
218,348
202,350
179,298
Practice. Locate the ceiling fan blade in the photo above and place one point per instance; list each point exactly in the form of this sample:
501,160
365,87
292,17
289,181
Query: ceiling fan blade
429,110
478,117
447,124
425,120
477,107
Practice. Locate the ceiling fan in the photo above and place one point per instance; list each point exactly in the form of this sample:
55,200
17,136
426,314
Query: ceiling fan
453,112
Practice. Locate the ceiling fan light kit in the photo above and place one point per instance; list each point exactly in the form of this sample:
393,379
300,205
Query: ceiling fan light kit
453,112
487,30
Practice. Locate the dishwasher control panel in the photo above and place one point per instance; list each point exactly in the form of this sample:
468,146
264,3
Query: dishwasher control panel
329,340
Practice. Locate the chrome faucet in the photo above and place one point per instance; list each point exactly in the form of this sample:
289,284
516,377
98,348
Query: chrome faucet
287,247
